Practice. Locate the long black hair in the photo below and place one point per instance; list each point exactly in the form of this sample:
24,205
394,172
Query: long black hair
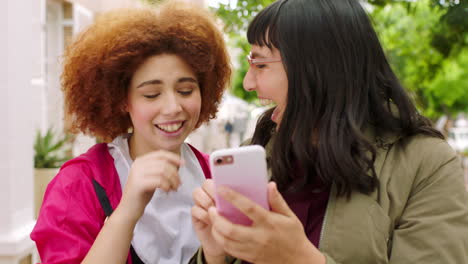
340,83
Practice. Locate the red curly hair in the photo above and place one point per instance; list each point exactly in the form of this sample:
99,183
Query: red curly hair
99,64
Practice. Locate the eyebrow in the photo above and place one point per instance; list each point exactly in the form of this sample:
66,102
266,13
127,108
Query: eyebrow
156,81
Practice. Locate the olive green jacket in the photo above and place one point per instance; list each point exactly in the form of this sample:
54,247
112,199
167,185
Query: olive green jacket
419,214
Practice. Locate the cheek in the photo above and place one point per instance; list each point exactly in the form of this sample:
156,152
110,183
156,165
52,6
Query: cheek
193,106
284,90
282,86
140,113
277,88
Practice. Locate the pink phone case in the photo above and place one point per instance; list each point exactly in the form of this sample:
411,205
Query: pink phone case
244,170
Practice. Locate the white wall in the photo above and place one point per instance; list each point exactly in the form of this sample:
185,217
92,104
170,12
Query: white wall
38,81
17,66
52,105
97,6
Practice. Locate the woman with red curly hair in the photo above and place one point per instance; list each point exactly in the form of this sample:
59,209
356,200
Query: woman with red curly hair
161,74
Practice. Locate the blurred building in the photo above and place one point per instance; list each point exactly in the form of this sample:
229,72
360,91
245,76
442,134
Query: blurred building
234,123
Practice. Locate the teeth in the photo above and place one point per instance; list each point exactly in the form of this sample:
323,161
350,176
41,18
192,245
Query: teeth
266,102
170,128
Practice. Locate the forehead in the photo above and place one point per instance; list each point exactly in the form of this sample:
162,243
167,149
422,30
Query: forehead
264,51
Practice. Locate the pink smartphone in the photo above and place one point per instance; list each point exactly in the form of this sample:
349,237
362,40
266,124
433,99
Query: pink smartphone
243,170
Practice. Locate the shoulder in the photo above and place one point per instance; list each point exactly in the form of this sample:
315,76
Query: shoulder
74,181
418,161
70,195
75,176
71,188
422,150
83,167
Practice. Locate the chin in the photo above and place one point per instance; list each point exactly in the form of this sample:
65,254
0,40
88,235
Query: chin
172,147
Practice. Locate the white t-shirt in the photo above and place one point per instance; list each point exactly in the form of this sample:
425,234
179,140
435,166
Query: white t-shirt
164,234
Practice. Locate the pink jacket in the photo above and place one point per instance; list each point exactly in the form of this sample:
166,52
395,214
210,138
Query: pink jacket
71,215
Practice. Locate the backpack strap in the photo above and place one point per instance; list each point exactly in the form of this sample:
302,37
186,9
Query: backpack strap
203,159
107,208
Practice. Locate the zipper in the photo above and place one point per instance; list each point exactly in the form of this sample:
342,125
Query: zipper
322,231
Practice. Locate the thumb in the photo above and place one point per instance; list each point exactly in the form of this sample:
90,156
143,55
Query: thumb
277,202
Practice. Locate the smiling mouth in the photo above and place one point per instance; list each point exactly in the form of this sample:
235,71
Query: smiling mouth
171,128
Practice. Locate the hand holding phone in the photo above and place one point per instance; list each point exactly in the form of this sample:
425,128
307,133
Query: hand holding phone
243,170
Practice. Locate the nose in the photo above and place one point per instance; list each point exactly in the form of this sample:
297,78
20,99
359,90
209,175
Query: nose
171,105
249,81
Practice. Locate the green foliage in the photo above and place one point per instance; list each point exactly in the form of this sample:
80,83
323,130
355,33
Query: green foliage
449,35
49,151
465,153
237,85
236,20
433,2
406,36
425,48
448,92
237,17
425,41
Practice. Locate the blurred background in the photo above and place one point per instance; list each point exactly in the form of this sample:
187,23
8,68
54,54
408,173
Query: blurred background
426,42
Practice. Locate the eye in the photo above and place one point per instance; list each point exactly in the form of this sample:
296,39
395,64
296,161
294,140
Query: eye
186,92
260,66
151,96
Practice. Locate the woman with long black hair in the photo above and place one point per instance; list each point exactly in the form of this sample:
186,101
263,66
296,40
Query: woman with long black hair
358,175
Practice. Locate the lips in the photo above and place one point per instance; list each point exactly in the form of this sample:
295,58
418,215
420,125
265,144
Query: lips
170,127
